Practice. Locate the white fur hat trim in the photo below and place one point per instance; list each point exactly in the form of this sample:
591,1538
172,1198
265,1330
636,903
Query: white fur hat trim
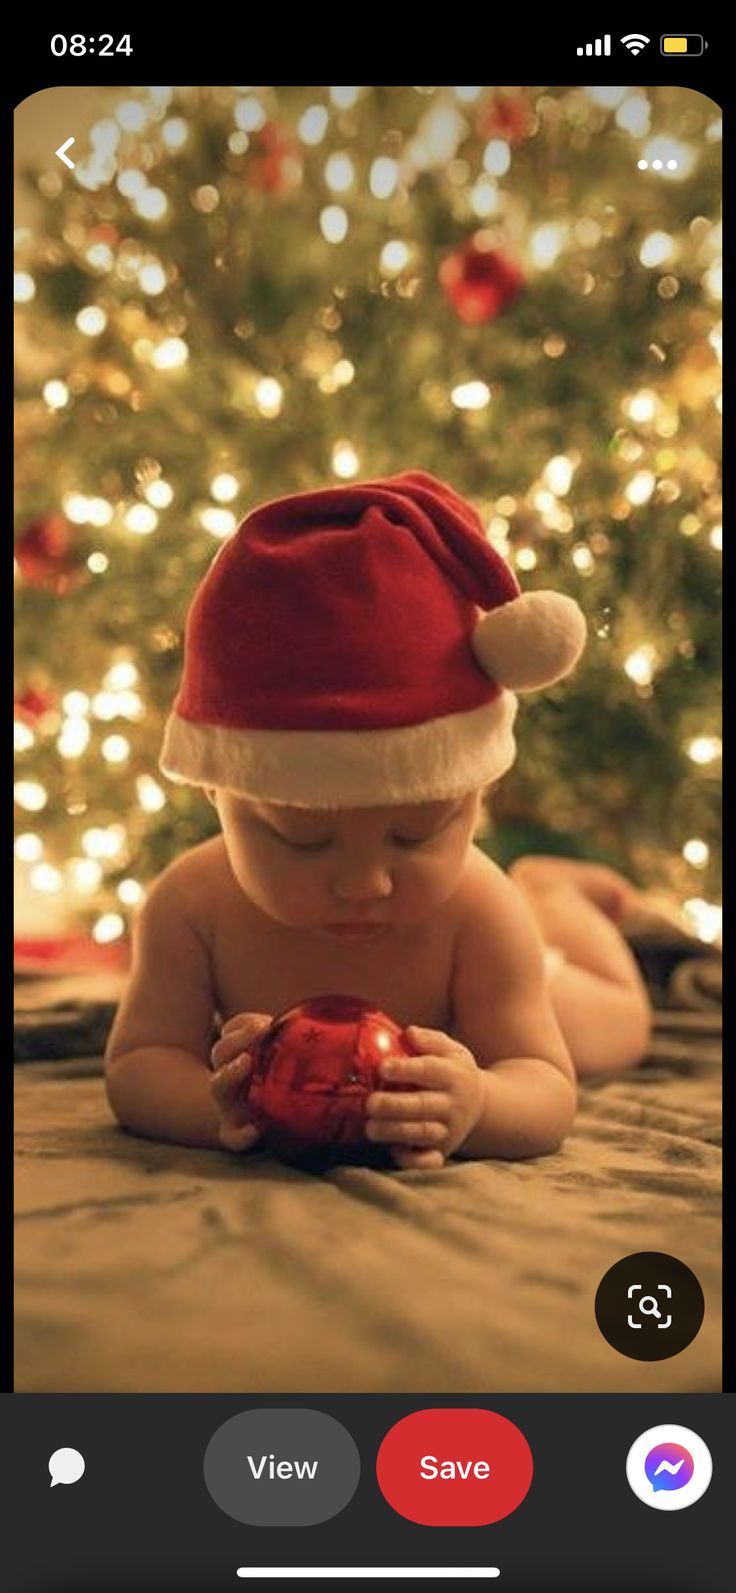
432,762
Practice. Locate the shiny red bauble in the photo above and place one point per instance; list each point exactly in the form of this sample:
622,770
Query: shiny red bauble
480,281
46,555
313,1070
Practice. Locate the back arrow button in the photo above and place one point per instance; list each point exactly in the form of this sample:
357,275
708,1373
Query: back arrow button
62,156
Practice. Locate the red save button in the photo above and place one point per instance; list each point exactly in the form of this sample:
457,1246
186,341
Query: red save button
454,1468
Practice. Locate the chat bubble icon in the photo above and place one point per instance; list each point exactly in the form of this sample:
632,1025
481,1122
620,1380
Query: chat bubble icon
669,1466
66,1465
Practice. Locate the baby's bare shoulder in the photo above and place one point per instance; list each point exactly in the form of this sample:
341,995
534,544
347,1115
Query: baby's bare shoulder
484,885
191,886
492,911
170,997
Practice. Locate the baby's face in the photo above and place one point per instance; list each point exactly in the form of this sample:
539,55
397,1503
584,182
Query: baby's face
349,873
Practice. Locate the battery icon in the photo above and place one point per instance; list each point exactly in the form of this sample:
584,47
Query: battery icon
682,44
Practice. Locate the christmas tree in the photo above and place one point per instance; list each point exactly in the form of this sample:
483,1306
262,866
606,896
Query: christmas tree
244,292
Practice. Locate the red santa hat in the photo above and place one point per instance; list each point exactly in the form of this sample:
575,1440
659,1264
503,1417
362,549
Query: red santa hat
360,646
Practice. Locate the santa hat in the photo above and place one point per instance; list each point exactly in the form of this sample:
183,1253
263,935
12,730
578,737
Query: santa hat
360,646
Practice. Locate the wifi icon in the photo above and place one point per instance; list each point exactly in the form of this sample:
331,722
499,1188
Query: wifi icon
635,42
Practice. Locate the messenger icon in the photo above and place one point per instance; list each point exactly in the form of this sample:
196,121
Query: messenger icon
669,1467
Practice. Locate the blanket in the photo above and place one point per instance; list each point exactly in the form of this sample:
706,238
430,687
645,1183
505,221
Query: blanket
146,1267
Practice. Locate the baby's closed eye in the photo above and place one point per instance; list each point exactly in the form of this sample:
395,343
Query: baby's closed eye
405,842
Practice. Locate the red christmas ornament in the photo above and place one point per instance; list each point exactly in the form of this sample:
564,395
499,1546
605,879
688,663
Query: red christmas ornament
31,705
105,232
505,116
314,1069
479,282
275,163
44,554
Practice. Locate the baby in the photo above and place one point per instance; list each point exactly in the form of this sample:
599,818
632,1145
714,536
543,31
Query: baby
351,660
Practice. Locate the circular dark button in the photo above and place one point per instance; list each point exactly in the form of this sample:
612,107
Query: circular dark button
649,1306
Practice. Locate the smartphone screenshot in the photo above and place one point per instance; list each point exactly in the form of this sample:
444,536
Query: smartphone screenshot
367,799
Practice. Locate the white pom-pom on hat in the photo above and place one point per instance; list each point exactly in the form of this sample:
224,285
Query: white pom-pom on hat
530,641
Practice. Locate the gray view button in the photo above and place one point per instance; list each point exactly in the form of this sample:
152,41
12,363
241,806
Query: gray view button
281,1468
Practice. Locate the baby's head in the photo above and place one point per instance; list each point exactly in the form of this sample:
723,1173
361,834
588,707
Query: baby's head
351,663
333,869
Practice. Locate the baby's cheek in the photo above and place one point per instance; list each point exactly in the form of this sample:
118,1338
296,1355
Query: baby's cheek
436,878
294,894
253,878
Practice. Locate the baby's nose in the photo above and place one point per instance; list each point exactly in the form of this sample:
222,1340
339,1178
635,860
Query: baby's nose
363,884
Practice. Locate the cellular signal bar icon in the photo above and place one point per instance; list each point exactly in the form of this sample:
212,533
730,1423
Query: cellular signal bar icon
599,46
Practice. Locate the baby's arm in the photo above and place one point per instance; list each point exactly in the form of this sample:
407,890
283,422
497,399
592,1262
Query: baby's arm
156,1071
503,1014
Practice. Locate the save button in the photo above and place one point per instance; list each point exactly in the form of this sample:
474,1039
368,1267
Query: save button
454,1468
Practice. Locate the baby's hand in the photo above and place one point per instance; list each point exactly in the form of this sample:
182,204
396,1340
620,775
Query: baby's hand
440,1113
232,1063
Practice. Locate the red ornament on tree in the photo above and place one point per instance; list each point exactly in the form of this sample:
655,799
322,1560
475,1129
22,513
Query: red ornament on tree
480,282
105,232
506,116
45,555
275,163
313,1071
33,704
